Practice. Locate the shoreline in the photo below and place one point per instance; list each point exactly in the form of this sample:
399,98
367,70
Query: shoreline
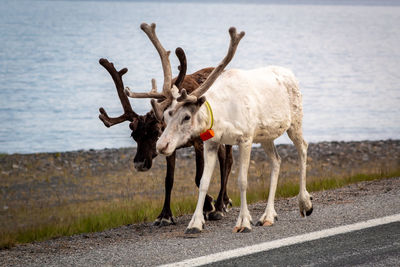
323,159
336,150
255,145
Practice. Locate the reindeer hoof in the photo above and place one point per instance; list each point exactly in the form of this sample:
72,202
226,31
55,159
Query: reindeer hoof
268,223
167,222
245,230
208,208
164,222
157,222
264,223
190,231
241,230
308,212
228,206
215,216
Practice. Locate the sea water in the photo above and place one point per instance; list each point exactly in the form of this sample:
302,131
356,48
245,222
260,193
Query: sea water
345,54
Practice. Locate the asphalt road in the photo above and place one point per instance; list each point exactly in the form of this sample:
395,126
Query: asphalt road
375,246
146,245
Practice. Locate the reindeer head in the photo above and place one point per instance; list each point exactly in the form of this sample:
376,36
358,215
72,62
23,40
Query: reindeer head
145,129
182,122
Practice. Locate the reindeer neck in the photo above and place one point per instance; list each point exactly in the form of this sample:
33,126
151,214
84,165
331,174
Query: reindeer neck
203,119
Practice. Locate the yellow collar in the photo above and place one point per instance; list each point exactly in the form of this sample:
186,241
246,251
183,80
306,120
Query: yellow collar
210,112
208,133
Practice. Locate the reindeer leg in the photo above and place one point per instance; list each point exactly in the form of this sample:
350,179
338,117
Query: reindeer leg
210,158
228,166
269,216
225,164
304,198
243,224
165,218
209,201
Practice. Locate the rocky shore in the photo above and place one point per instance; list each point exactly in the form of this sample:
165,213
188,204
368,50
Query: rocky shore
70,169
383,153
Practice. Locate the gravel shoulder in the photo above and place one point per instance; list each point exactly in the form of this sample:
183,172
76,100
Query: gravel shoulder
146,245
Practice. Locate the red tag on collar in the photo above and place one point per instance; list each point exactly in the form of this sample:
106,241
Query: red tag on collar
207,135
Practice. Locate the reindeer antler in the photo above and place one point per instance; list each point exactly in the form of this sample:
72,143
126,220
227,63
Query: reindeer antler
150,31
166,96
192,98
182,66
129,114
152,94
159,108
178,82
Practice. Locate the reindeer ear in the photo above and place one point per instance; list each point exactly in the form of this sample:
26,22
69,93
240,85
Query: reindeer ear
133,125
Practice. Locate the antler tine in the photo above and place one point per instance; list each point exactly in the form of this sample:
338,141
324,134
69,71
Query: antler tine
182,67
129,114
153,85
184,97
235,39
152,94
159,108
150,31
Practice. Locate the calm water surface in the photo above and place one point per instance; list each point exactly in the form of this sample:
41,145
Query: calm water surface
346,57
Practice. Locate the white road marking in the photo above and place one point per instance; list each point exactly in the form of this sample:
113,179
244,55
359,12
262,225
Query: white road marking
284,242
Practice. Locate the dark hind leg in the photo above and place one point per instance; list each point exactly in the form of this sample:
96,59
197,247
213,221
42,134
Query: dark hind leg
227,170
165,218
209,201
225,164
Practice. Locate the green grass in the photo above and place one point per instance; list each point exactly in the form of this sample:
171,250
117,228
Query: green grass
107,217
65,224
78,218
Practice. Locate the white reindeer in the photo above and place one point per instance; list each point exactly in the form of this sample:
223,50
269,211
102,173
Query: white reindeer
248,106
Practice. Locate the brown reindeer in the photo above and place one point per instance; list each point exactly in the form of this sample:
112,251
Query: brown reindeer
147,128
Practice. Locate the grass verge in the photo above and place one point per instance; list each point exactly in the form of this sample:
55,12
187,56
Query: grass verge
99,216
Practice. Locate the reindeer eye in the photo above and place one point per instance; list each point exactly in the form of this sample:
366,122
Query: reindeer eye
170,113
186,118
